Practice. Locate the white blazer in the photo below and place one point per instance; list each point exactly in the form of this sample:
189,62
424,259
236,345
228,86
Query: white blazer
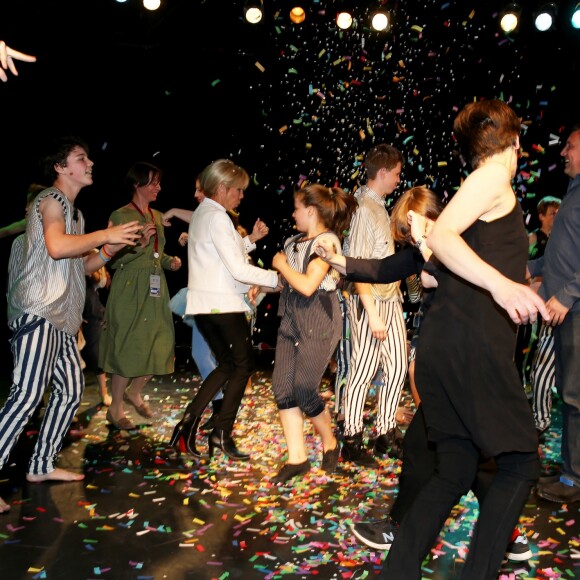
219,273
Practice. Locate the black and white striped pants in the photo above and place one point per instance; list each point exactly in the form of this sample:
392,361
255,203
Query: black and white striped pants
43,356
368,355
543,377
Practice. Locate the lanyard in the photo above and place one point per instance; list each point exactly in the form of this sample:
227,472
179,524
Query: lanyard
156,241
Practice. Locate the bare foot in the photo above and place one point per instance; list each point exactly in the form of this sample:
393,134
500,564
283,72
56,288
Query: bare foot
4,507
57,474
107,400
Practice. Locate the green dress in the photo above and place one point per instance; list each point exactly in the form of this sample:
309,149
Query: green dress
138,337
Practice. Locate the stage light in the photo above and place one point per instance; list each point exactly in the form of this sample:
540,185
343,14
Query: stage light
151,4
575,19
379,20
344,19
510,17
253,11
297,15
545,18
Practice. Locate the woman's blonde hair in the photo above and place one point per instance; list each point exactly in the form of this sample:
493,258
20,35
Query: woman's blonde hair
222,171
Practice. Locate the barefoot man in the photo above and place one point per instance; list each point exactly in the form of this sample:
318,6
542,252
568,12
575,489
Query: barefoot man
46,295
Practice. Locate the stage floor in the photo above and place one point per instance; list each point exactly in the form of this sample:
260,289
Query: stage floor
144,511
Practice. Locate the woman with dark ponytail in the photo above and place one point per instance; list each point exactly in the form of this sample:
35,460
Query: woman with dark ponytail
311,324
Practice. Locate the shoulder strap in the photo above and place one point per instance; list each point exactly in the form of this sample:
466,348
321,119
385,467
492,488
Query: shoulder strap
308,257
293,239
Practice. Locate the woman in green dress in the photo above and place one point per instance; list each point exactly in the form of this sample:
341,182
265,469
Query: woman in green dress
138,339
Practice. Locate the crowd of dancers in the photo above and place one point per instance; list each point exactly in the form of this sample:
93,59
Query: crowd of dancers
475,270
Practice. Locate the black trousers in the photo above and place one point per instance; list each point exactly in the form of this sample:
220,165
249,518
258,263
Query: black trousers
229,337
501,497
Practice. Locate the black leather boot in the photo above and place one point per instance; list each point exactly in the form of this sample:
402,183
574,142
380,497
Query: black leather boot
390,443
353,450
185,432
216,405
222,439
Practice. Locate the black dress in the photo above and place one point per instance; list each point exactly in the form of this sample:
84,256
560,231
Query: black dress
465,370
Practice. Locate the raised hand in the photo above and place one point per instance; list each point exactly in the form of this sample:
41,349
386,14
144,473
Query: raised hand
8,56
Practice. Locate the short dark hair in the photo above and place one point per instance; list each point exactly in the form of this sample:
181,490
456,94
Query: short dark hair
547,202
141,173
382,155
484,128
56,153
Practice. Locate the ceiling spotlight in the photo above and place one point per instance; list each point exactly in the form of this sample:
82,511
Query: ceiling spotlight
344,20
544,19
379,21
575,19
297,15
510,17
151,4
253,11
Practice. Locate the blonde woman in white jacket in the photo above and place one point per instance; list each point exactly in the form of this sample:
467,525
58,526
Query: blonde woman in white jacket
219,277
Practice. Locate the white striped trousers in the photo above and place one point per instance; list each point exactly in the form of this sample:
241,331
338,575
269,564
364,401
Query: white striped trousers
368,355
543,377
43,356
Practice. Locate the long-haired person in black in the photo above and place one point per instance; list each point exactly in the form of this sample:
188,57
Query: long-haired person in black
219,277
311,324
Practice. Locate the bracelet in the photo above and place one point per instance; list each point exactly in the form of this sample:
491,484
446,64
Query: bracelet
419,242
105,252
103,257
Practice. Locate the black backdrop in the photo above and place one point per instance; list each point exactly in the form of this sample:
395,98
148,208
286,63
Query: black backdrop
193,82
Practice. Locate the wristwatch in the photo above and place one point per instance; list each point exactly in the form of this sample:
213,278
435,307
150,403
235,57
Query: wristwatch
420,242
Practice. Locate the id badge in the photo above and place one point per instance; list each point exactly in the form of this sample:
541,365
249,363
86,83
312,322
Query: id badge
155,285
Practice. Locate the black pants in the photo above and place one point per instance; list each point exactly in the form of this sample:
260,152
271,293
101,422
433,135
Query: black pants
456,466
228,335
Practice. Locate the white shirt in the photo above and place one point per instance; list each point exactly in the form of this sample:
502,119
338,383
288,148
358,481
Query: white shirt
370,237
219,273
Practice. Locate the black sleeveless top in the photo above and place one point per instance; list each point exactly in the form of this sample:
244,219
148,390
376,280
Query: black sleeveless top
465,370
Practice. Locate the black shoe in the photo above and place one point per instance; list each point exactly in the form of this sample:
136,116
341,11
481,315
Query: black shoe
390,443
216,406
291,470
353,450
379,534
222,439
330,459
559,492
185,433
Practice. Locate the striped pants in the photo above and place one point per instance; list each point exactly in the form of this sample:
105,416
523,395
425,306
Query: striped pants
307,337
543,378
43,356
368,355
342,355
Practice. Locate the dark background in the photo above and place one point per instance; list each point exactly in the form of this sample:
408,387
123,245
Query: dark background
193,82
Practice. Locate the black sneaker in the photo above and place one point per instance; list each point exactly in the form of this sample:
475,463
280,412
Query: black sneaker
519,549
379,534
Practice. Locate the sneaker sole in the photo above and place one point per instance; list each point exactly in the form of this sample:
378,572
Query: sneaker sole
367,542
519,557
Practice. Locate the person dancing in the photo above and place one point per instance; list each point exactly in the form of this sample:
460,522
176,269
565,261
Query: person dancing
311,324
470,390
218,278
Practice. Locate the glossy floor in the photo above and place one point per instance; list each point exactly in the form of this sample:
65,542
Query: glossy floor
144,511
